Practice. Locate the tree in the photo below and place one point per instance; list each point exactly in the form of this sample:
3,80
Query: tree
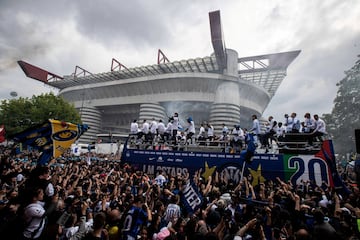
20,114
345,115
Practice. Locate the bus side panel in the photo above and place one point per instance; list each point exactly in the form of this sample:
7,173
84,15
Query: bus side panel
294,168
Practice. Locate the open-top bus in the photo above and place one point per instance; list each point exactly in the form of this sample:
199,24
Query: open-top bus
293,162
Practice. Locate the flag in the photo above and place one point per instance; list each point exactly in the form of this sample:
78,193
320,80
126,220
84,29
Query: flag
51,138
191,197
2,133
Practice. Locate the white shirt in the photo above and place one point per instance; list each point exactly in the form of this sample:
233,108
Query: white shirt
161,127
145,128
296,124
268,127
34,217
225,130
49,191
169,127
289,122
256,126
172,212
160,180
175,123
134,128
210,131
320,126
192,127
280,131
238,134
153,126
70,232
20,177
309,124
201,132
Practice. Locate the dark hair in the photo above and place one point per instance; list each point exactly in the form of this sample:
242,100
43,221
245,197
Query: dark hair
34,192
319,216
99,220
138,199
39,170
174,198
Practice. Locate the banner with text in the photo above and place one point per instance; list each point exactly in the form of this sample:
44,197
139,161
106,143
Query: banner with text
51,138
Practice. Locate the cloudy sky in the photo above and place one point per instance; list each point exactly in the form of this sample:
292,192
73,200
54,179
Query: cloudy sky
58,35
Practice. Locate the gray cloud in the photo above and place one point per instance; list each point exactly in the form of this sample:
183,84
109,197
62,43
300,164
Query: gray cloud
23,32
57,35
328,49
139,24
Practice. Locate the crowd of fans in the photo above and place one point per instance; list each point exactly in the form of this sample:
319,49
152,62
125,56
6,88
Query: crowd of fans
72,199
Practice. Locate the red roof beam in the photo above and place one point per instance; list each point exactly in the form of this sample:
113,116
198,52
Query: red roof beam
82,72
37,73
162,58
116,64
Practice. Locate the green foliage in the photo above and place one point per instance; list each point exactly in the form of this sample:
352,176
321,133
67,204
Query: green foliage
20,114
345,115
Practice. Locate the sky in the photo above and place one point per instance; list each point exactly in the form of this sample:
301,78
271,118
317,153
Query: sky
59,35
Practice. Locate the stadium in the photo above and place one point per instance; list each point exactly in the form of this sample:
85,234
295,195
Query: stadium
220,88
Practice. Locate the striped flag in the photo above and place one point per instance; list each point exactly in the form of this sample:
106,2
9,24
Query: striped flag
51,138
2,133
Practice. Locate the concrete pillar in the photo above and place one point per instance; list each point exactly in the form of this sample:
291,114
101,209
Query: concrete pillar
232,63
149,111
225,108
92,117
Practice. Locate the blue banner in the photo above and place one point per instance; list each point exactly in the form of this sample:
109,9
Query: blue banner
51,138
316,167
191,198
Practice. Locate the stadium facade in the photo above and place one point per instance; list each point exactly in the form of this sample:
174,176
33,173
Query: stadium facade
220,88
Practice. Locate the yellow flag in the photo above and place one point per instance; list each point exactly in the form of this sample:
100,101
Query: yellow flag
63,135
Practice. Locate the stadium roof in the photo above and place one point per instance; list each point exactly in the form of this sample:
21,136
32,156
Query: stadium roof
267,71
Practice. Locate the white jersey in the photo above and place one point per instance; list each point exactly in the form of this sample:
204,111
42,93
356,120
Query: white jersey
34,218
225,130
270,127
161,127
309,125
238,134
175,123
134,128
49,190
201,132
145,128
289,122
153,127
320,126
210,131
297,124
280,131
160,180
256,126
169,127
191,127
172,213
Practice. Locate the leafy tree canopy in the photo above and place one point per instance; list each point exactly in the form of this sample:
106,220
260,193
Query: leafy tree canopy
22,113
345,115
